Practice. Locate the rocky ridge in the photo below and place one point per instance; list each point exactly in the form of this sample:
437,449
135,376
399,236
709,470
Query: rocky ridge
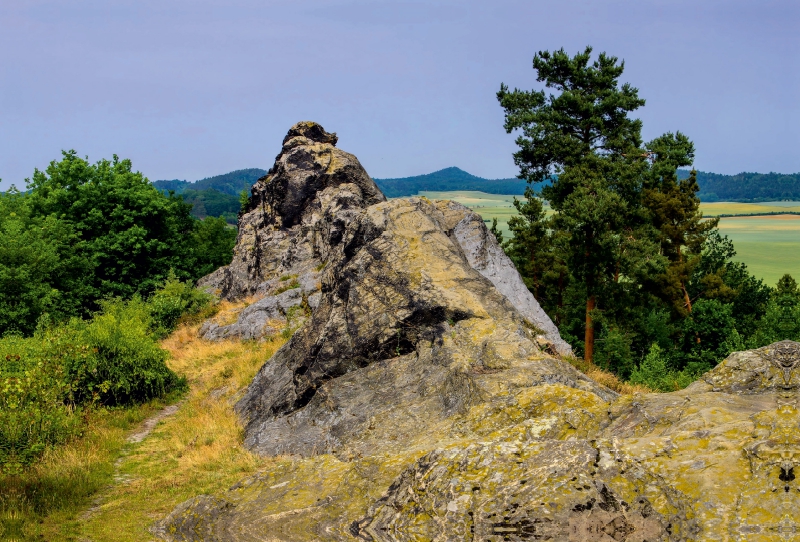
420,400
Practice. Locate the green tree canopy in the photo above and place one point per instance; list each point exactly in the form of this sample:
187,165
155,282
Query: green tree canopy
583,140
86,232
131,234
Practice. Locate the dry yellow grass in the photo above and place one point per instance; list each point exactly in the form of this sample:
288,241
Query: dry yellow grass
607,378
226,312
196,451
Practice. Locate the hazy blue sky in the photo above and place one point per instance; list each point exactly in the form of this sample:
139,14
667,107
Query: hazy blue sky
189,89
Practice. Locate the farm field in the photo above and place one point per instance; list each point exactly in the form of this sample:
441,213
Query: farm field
769,245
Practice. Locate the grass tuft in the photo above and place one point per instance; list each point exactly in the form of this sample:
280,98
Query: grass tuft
606,378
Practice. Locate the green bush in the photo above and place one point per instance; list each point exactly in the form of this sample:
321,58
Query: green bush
33,412
654,372
113,359
126,364
174,300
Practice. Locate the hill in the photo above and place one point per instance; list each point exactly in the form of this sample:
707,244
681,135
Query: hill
448,179
228,183
219,195
216,196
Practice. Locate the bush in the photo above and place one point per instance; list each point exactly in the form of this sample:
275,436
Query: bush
174,300
33,413
126,365
654,372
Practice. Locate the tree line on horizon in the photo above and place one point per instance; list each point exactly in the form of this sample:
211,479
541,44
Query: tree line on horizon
626,266
220,195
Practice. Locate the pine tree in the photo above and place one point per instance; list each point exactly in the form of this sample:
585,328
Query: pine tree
675,213
584,142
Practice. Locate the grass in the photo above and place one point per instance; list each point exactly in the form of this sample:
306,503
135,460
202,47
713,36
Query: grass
769,245
196,451
64,482
734,208
606,378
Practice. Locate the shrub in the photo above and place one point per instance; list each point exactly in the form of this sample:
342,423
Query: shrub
126,365
654,372
174,300
33,414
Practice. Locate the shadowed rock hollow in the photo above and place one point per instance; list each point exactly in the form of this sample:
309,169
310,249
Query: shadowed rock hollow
415,403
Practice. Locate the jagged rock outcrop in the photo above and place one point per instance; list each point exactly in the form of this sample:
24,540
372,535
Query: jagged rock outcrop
277,233
415,403
299,215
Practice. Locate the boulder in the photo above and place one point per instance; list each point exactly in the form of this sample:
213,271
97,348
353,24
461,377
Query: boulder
265,317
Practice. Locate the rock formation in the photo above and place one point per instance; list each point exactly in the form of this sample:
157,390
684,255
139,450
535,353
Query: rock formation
415,403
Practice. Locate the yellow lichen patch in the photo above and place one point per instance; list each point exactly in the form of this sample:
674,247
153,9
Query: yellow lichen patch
546,411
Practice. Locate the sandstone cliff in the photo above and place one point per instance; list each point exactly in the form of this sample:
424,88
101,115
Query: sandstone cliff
415,402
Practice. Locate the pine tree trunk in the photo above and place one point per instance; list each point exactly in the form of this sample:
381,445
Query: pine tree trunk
686,299
588,353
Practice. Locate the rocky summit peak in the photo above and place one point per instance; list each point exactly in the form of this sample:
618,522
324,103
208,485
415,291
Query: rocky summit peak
311,131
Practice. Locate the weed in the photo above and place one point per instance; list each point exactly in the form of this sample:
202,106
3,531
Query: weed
291,286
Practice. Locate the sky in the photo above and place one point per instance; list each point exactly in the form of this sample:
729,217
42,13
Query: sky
190,89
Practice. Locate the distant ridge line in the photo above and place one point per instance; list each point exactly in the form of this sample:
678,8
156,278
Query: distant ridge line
742,187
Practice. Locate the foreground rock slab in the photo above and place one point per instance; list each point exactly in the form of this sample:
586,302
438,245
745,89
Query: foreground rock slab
550,463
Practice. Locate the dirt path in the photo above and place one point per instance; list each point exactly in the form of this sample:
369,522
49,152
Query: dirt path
150,423
137,436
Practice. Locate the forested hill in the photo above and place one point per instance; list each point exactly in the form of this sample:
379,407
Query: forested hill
229,183
747,187
448,179
214,196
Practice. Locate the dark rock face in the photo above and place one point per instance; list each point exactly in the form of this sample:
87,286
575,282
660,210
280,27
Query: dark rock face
400,303
277,233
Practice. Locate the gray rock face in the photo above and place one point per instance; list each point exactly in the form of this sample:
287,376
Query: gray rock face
401,309
264,317
269,314
487,257
280,233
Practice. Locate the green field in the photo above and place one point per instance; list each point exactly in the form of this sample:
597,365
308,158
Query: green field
769,245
